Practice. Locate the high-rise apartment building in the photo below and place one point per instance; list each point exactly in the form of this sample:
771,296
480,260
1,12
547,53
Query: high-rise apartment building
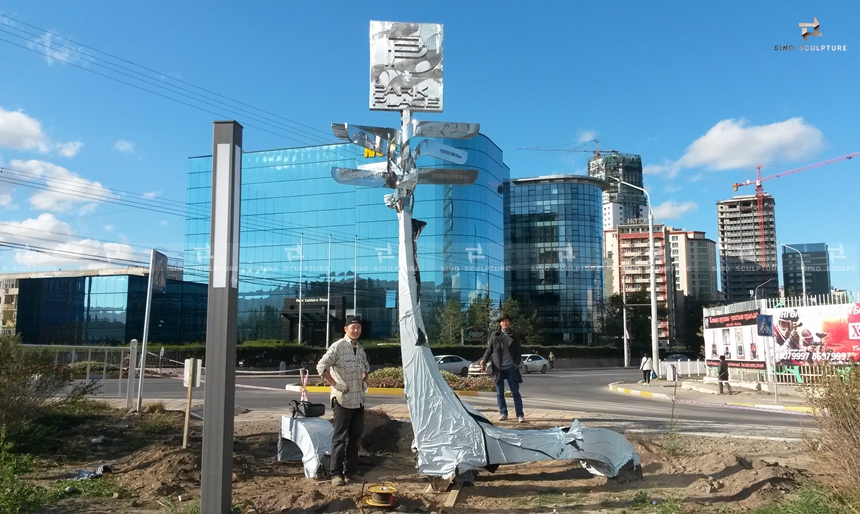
748,268
809,262
628,267
621,203
694,259
553,252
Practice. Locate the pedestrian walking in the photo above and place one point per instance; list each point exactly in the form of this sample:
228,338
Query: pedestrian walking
647,367
504,351
344,366
551,360
723,375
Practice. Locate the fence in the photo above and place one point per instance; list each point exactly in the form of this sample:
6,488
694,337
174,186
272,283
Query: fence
93,364
807,374
683,368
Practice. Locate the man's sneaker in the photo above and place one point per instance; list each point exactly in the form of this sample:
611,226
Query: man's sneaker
521,419
503,417
338,481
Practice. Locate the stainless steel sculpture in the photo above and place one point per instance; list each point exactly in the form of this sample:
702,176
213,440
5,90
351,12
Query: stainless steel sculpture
451,438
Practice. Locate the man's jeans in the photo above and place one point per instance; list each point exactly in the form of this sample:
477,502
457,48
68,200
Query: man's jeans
510,375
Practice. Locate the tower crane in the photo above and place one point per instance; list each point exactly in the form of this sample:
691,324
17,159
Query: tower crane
759,193
596,149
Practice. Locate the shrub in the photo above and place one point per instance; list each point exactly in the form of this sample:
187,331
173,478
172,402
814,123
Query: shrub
393,377
837,402
29,383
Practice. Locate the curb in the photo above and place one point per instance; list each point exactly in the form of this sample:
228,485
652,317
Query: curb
646,394
377,390
766,407
791,408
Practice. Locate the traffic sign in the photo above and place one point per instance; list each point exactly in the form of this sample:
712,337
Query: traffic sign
764,322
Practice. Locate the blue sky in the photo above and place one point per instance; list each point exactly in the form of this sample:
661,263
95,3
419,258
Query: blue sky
111,98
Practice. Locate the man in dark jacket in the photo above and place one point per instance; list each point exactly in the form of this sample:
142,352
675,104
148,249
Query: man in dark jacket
723,374
504,350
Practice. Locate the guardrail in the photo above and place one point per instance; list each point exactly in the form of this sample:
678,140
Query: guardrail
684,368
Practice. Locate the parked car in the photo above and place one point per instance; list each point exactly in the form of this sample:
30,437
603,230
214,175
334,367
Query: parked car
453,364
676,357
475,368
534,362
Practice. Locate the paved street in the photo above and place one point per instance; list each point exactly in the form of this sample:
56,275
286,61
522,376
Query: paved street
556,398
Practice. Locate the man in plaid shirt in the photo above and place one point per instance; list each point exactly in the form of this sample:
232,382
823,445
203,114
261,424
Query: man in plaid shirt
344,367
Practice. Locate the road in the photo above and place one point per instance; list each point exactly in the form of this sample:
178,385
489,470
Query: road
584,393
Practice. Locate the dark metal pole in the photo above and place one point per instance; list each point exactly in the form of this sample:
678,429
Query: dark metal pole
220,394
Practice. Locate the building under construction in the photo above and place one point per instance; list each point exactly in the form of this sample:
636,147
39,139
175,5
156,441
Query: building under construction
747,249
621,203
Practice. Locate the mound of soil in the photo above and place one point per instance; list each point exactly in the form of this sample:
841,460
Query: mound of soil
695,472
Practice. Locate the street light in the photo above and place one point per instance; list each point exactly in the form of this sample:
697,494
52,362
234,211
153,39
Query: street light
802,270
755,293
655,349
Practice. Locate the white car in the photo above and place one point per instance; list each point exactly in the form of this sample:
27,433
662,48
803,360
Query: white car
475,368
453,364
677,357
534,362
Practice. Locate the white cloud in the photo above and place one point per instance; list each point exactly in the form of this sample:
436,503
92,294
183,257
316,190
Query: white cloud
58,51
124,146
671,209
21,132
733,144
163,223
66,190
58,246
108,228
150,195
586,135
69,149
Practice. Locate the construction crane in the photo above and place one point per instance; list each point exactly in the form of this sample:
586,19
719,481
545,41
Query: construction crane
596,149
759,193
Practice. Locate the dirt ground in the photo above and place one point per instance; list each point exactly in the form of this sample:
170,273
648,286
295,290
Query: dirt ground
696,473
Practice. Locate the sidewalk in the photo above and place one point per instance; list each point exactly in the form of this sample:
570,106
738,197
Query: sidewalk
695,391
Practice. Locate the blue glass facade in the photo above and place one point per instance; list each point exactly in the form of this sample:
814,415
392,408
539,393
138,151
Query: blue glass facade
292,207
108,310
554,259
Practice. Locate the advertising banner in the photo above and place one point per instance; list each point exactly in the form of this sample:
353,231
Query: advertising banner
734,319
811,335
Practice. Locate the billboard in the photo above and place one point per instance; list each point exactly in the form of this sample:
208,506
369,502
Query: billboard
812,335
405,66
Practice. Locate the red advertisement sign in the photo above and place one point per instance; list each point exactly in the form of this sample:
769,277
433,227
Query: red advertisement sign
817,334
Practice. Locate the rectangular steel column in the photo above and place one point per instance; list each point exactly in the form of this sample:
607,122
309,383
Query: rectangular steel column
220,392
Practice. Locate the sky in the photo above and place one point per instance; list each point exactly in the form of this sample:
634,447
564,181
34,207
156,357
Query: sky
103,102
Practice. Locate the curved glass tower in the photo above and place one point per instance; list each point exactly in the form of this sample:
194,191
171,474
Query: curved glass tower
295,218
554,258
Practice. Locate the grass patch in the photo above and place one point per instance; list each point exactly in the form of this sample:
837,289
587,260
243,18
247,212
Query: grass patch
645,501
812,498
547,498
192,507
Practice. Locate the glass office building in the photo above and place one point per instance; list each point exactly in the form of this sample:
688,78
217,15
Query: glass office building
295,220
108,310
554,258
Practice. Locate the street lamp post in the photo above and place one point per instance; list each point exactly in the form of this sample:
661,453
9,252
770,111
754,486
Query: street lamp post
655,349
802,269
755,292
